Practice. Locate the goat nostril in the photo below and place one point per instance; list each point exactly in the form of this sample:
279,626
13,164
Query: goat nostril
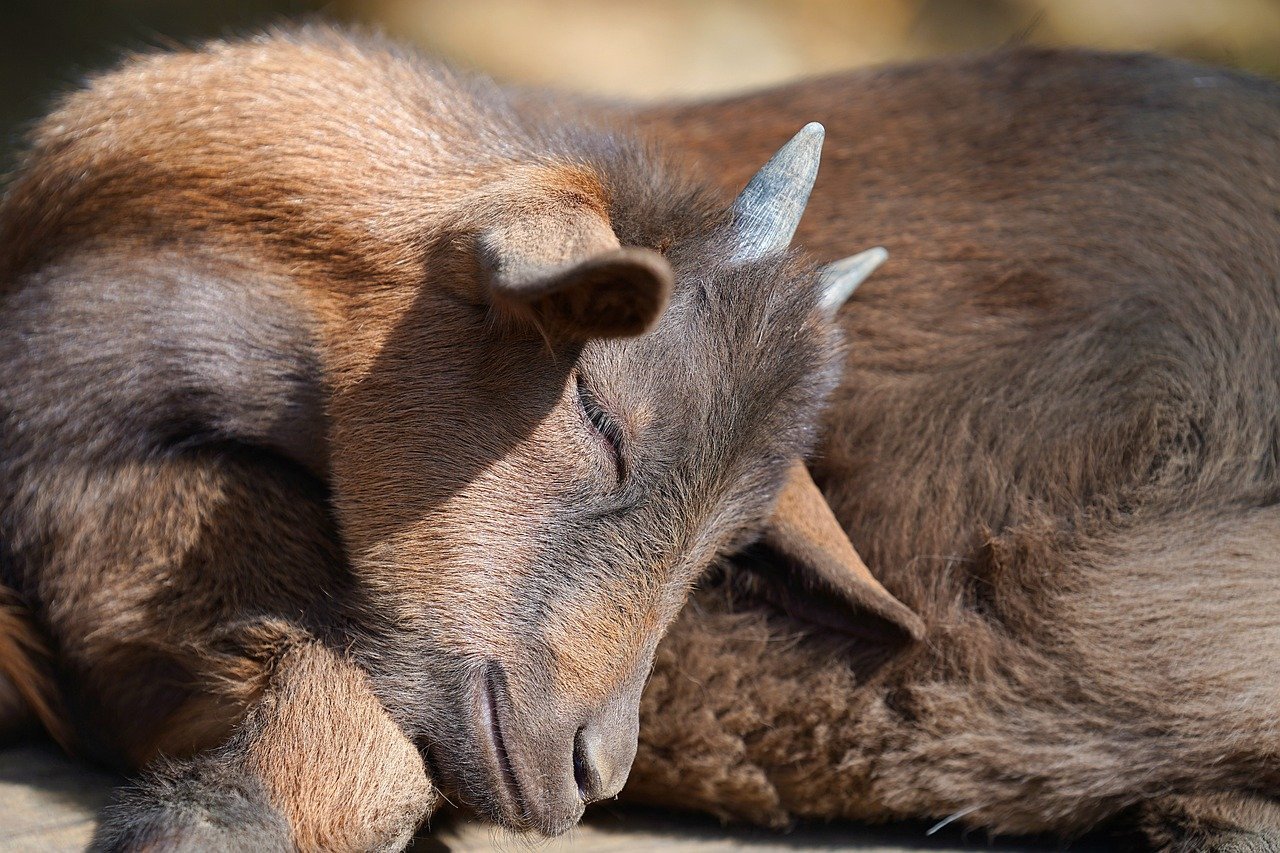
584,773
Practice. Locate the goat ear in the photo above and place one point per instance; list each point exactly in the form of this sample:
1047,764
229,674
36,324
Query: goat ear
563,270
807,566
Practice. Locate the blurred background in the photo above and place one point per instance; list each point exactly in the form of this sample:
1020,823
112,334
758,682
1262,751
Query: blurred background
638,48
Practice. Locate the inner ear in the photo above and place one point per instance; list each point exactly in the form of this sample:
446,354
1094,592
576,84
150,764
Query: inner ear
559,265
762,573
616,294
805,564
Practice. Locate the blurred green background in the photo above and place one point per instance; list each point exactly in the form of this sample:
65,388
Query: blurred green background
642,48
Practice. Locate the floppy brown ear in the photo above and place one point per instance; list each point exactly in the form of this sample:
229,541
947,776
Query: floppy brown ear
562,268
807,566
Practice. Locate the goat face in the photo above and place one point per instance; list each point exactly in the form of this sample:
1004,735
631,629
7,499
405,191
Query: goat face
529,504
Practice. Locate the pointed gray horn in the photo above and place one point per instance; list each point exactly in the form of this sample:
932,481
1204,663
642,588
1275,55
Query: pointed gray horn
839,279
767,212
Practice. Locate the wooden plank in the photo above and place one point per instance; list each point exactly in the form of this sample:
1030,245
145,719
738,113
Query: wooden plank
48,803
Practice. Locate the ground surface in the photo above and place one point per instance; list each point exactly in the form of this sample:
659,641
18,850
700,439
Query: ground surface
48,804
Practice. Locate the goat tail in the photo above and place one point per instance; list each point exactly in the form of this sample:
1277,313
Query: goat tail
27,685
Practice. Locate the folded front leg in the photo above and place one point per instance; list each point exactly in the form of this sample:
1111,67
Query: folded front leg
317,764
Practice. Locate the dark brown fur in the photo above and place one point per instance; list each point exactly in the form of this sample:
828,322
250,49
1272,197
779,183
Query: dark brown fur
1056,441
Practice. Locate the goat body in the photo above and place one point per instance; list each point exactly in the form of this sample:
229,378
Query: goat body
1056,441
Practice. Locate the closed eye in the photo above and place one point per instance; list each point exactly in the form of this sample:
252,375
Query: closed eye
603,425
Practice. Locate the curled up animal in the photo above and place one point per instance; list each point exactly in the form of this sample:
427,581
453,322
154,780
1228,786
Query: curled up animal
364,427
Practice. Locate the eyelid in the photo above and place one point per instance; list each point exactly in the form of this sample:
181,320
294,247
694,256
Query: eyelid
603,424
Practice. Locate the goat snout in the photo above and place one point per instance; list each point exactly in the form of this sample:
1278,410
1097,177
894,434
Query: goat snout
543,761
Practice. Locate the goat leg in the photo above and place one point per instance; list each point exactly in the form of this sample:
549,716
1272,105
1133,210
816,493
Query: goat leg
316,764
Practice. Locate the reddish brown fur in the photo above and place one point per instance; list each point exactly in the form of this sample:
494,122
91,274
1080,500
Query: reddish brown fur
27,690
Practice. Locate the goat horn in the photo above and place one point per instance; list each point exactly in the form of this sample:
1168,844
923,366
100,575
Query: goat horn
839,279
767,212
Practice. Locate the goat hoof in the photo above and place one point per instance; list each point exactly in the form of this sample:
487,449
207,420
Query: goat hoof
1214,823
1237,842
176,816
1226,842
185,836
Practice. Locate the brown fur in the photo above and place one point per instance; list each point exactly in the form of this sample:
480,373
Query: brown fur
1056,442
